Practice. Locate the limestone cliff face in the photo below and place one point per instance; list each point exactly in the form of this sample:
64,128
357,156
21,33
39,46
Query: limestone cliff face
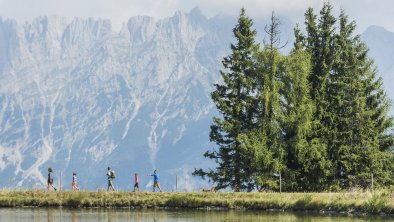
79,97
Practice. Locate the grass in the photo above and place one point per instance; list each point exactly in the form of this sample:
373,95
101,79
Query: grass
349,202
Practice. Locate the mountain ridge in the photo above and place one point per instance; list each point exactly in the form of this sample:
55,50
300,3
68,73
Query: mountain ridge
78,96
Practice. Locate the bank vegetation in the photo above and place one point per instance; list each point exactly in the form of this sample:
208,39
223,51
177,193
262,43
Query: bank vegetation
378,202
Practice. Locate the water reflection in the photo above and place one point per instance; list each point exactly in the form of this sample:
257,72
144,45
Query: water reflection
49,216
74,217
110,215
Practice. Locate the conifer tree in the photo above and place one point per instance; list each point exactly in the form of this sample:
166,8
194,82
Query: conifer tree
306,163
358,136
319,42
318,116
351,106
234,101
264,144
349,140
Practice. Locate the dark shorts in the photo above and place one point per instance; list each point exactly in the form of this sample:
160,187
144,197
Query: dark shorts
136,185
50,181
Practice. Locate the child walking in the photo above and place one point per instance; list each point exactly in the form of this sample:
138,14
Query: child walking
74,183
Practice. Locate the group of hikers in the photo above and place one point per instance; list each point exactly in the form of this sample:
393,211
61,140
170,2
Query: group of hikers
110,176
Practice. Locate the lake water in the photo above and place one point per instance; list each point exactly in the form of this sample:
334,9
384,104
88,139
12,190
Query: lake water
110,215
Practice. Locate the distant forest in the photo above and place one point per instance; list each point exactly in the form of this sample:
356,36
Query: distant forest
317,117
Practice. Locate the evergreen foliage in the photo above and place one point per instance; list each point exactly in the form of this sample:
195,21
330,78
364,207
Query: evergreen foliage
318,116
344,83
265,143
307,164
233,99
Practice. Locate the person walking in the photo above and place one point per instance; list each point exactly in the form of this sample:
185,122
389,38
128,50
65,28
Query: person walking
136,182
50,179
74,183
110,176
155,180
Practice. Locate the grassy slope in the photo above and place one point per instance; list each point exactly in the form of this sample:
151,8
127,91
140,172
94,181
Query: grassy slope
378,202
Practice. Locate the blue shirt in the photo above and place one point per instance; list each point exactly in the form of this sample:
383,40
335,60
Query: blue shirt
155,177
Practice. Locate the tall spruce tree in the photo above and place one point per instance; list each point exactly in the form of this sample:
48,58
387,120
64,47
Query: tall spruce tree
234,101
306,163
360,131
319,42
351,106
352,142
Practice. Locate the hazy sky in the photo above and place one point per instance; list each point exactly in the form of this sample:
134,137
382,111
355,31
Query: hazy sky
365,12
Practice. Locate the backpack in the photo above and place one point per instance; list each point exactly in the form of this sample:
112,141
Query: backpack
113,174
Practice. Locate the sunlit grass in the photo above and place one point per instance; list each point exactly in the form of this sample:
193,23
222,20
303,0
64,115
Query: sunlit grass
348,202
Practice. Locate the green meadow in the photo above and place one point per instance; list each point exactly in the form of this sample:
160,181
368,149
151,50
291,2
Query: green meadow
378,202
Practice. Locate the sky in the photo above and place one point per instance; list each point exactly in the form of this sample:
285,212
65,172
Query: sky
364,12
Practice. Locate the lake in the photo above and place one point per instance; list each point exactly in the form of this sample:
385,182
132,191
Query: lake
122,215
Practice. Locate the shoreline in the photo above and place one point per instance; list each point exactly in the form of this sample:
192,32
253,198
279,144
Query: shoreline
344,203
